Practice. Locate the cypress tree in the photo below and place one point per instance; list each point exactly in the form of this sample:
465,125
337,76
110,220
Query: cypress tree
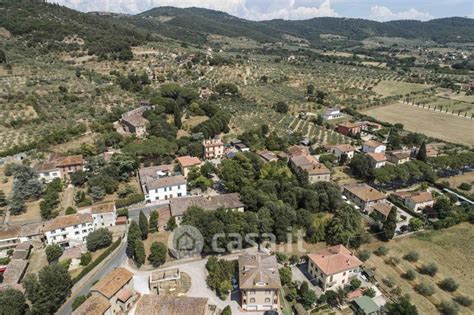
134,234
421,155
390,224
143,224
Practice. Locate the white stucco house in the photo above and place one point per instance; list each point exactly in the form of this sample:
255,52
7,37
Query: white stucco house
69,230
332,113
161,183
372,146
103,214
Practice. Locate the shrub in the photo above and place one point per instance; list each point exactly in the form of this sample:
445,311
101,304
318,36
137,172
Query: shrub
130,200
98,239
157,255
409,275
389,282
448,308
429,269
425,289
363,255
355,284
381,251
370,293
53,252
448,284
122,212
392,261
412,256
281,257
4,261
465,186
70,210
86,258
463,300
78,301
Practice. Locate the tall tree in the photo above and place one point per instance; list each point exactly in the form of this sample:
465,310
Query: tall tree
139,256
402,307
390,224
143,224
157,255
53,252
12,302
153,221
421,155
134,234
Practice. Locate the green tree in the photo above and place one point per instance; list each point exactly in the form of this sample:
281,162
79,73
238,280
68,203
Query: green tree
134,234
412,256
157,255
281,107
3,199
448,308
16,205
143,224
97,193
429,269
139,255
402,307
421,155
70,210
86,258
171,225
448,284
415,224
370,293
98,239
12,302
307,297
53,252
355,284
153,221
390,224
78,301
285,275
226,311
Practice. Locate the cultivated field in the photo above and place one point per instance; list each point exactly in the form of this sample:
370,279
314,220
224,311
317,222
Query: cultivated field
434,124
432,246
392,88
455,181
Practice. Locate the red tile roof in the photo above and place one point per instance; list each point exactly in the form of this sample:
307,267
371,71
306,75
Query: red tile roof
187,161
334,260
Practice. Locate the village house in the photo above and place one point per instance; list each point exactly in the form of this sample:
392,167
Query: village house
372,146
133,121
333,267
213,148
379,211
267,156
317,172
103,214
59,167
349,129
69,230
159,183
151,304
117,288
242,147
416,201
377,160
96,305
398,157
210,203
259,282
297,150
70,164
186,163
47,171
332,113
340,149
364,305
363,195
12,235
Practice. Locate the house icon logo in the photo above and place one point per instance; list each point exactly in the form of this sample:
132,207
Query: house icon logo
186,241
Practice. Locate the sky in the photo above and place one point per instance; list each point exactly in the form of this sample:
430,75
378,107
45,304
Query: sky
379,10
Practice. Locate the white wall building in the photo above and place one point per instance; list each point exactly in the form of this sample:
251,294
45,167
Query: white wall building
47,172
160,183
103,214
69,230
372,146
332,113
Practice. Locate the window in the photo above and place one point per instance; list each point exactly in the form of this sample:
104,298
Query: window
330,279
344,273
76,233
343,281
267,300
252,300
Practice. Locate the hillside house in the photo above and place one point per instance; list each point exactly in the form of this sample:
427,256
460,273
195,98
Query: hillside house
332,113
317,172
377,160
133,121
186,163
160,183
416,201
267,156
213,148
372,146
339,150
363,195
103,214
349,129
59,167
333,267
69,230
13,235
398,157
259,282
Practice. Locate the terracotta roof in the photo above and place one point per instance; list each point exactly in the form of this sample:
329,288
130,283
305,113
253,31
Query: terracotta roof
349,124
151,304
178,206
45,167
258,271
316,169
382,208
400,155
344,147
421,197
135,120
124,294
68,220
151,171
10,232
166,181
334,260
377,157
164,214
94,305
113,282
70,160
104,207
212,143
267,155
15,271
365,192
187,161
303,160
297,150
372,143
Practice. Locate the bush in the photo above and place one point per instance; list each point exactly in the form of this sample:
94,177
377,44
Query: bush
429,269
363,255
157,255
389,281
381,251
4,261
425,289
86,258
98,239
70,210
409,275
78,301
130,200
392,261
53,252
412,256
465,186
370,293
355,284
122,212
281,258
448,308
448,284
463,300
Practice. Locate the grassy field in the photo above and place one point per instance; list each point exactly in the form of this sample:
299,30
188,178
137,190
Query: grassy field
455,181
392,88
434,124
432,246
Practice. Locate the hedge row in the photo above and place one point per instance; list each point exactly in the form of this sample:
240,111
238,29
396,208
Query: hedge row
99,259
130,200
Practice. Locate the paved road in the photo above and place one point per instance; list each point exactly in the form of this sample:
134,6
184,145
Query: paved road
117,260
